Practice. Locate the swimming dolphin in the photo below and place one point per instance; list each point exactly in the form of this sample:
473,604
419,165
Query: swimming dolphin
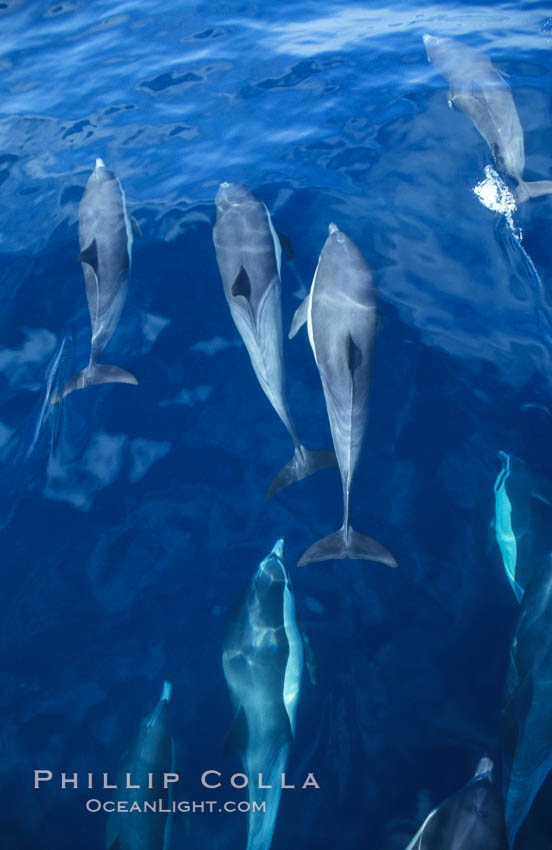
527,718
105,237
342,315
249,257
150,751
263,656
479,90
471,819
522,534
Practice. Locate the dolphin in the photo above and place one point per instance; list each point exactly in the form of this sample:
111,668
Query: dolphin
471,819
249,258
526,717
479,90
341,315
263,656
150,751
522,536
105,237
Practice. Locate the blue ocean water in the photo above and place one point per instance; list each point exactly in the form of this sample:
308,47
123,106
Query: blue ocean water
133,517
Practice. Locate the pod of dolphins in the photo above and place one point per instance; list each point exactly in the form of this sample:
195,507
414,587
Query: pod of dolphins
265,648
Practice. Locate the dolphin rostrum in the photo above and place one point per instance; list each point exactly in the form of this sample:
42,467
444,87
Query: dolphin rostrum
341,315
148,757
263,657
105,237
479,90
471,819
249,257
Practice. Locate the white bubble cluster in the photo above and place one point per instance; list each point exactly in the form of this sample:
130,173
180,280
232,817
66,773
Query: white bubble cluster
496,195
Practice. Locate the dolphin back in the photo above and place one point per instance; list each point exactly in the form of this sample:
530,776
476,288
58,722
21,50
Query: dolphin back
105,237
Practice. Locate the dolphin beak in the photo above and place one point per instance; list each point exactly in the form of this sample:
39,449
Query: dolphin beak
429,42
273,568
278,549
484,769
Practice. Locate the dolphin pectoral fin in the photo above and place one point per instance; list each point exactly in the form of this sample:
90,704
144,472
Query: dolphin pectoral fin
236,737
303,463
532,190
542,490
135,226
300,317
336,546
98,374
90,256
310,659
286,246
242,285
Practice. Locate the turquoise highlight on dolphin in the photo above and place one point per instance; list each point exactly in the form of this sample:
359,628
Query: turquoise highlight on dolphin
481,92
249,253
105,237
341,315
149,751
263,657
521,529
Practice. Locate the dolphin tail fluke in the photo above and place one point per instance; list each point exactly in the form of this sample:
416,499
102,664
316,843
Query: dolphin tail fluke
347,545
532,190
98,374
303,463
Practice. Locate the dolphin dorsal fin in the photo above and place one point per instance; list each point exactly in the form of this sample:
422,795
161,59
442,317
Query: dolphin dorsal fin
90,256
354,354
116,844
236,738
242,285
300,317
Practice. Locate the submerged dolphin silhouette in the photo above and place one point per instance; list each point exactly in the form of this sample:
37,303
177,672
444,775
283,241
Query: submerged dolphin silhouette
479,90
249,256
471,819
263,657
526,717
105,236
149,752
341,314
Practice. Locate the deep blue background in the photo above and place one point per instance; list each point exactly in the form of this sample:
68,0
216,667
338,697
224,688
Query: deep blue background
133,517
